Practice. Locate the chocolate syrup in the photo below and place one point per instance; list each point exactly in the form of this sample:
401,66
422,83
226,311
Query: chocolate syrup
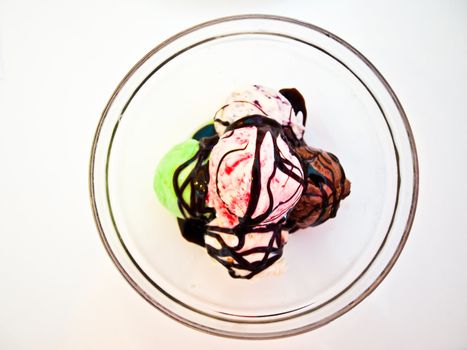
195,212
296,100
193,230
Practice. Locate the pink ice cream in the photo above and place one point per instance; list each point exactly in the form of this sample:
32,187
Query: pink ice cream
230,170
254,181
260,100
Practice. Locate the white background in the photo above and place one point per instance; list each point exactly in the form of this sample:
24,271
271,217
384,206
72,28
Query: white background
59,63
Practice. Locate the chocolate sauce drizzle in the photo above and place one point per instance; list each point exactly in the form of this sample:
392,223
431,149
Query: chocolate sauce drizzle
296,100
233,260
195,212
196,215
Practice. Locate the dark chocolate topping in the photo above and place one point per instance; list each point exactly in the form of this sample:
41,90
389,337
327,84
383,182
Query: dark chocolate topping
193,230
296,100
195,212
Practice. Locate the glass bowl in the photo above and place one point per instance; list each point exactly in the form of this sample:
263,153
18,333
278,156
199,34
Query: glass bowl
353,112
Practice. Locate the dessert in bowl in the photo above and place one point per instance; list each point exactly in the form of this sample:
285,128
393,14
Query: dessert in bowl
353,113
250,179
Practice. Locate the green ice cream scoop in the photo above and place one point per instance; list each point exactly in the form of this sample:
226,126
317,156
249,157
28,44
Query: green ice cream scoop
164,176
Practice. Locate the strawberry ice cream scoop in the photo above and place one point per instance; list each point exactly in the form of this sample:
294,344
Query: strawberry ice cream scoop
255,180
254,177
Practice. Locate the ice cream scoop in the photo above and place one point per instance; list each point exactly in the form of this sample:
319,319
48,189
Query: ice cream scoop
255,179
326,187
181,177
260,100
164,176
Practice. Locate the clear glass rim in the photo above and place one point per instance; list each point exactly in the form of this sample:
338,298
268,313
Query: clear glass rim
278,334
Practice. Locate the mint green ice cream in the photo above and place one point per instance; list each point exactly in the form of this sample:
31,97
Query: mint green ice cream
163,178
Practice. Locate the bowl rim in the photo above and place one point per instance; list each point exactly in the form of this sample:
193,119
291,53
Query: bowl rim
278,334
